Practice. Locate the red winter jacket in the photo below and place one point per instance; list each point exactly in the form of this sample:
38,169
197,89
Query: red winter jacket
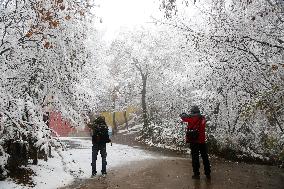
193,121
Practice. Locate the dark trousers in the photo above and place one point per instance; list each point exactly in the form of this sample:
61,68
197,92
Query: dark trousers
95,150
197,148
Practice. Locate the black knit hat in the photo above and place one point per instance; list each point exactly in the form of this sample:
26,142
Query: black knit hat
195,110
100,119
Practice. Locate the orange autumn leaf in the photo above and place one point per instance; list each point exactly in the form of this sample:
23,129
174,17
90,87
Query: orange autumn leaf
68,17
82,13
46,45
54,23
48,16
29,34
274,67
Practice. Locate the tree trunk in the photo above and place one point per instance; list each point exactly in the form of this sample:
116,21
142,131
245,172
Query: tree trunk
49,152
114,123
34,154
125,119
144,105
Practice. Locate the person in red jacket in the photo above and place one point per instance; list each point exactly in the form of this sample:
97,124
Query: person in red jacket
196,123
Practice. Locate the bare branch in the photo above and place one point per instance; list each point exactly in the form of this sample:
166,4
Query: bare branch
2,52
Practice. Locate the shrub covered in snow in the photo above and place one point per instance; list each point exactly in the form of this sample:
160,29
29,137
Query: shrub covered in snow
42,51
234,73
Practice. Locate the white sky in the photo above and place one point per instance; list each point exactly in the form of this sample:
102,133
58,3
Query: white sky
118,14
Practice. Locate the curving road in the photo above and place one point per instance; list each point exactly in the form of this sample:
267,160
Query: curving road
173,171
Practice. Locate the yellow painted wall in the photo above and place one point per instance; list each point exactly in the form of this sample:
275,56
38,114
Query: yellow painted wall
118,116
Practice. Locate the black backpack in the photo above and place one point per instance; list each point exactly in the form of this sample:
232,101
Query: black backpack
100,133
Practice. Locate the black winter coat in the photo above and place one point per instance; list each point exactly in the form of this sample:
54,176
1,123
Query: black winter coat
100,133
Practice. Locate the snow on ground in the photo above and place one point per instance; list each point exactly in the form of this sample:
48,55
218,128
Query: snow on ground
75,162
131,130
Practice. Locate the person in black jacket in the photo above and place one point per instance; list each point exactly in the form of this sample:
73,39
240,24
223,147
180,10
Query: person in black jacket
99,139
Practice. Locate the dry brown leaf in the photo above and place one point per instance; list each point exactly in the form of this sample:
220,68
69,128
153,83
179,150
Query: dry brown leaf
46,45
55,23
67,17
82,13
274,67
29,34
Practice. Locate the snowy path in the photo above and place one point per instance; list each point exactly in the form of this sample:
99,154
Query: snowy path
169,170
131,167
175,173
75,163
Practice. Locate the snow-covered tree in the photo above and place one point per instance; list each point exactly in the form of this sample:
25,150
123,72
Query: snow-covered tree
144,56
42,52
240,46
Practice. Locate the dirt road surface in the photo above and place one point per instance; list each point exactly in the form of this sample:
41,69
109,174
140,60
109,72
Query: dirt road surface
174,172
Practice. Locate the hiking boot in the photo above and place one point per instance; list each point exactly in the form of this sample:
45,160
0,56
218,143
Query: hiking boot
104,174
94,173
195,177
93,176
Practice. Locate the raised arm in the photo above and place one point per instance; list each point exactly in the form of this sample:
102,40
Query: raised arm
184,117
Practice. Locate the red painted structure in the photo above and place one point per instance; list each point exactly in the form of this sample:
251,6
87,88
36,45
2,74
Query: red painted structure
63,127
59,125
